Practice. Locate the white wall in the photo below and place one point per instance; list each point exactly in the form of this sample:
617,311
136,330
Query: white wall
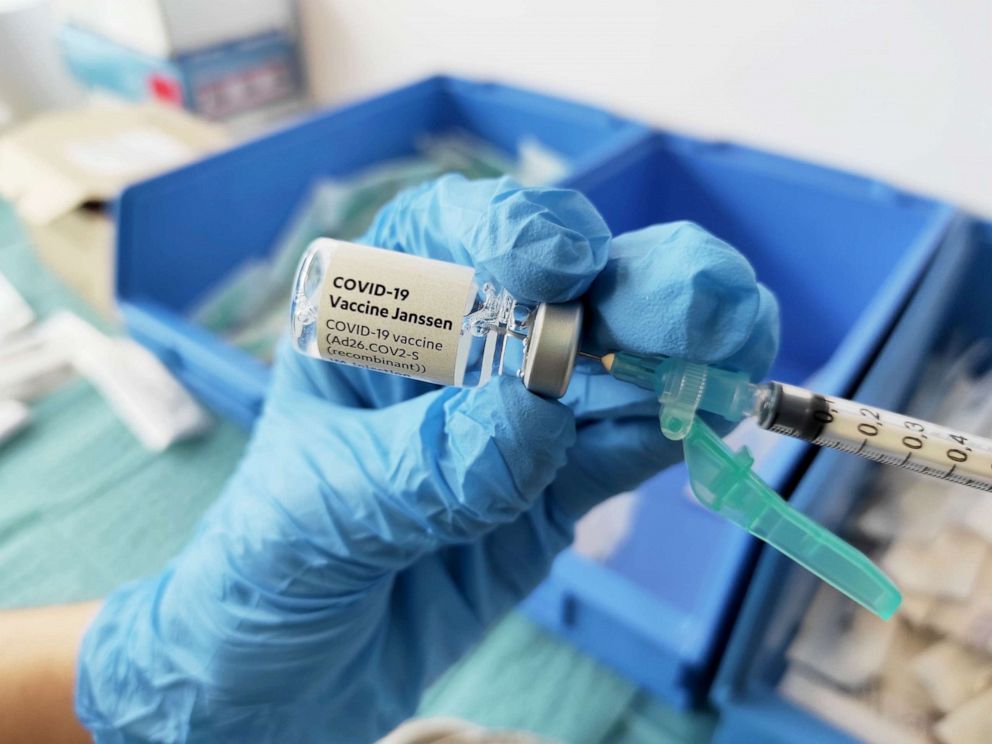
899,89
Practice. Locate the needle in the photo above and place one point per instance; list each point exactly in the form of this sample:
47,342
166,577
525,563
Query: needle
606,360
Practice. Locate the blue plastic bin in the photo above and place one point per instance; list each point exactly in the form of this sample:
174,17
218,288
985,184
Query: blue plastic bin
843,254
178,234
955,298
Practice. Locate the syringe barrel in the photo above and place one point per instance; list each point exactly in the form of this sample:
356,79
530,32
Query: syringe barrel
794,411
879,435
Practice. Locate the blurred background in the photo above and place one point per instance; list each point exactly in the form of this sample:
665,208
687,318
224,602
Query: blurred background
896,89
900,90
164,163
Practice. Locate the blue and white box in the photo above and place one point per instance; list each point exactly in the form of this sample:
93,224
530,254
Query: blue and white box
218,59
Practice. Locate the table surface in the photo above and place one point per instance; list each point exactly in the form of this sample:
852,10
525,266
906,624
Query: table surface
84,508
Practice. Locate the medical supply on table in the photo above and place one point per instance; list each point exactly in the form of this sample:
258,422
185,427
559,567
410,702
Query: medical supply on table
951,674
855,642
84,506
221,59
933,679
945,567
32,366
39,358
62,172
893,707
14,416
249,306
132,380
33,77
15,313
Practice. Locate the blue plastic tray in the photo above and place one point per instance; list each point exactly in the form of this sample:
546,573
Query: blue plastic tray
955,298
179,233
843,254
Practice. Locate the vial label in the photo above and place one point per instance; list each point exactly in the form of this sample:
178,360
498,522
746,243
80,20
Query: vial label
393,312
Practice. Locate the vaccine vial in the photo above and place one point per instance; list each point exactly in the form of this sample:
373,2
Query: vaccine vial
427,319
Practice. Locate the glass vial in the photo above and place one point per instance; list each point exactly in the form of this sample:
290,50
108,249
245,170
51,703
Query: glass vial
426,319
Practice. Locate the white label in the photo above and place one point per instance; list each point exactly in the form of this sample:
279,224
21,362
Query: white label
14,416
138,387
393,312
131,151
15,314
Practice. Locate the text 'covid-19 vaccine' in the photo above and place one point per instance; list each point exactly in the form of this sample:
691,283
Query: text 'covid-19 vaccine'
427,319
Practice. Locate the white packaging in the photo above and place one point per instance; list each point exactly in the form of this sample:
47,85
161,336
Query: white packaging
33,76
137,386
974,512
952,674
900,695
15,314
605,528
858,714
841,641
14,416
946,567
908,508
61,161
163,28
32,365
971,723
916,608
968,621
62,170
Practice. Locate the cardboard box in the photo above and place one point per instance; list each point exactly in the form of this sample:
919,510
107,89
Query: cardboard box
220,59
78,246
165,28
62,171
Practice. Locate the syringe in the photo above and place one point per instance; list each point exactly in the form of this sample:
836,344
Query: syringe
724,481
827,421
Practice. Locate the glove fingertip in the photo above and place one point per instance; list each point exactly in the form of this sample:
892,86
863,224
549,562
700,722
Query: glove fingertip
504,447
433,219
758,353
530,417
723,299
674,289
542,244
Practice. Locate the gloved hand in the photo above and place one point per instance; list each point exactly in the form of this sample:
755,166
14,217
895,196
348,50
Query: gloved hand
376,525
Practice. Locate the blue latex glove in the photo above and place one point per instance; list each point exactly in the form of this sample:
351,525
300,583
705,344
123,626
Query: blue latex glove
376,525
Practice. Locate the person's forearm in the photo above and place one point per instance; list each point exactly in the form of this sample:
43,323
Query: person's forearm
38,650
